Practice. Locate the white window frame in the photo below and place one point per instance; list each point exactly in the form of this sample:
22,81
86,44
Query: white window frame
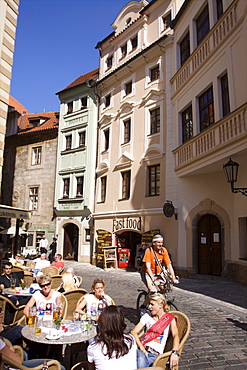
31,208
108,56
163,31
36,157
123,84
148,69
104,108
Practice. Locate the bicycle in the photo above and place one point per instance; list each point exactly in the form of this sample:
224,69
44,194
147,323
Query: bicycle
140,306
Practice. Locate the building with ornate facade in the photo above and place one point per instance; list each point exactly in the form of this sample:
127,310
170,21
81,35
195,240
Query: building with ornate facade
76,161
8,21
172,112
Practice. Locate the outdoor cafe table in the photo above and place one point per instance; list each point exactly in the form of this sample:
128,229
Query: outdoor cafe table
17,292
56,345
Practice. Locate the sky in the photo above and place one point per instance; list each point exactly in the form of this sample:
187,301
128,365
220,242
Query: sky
55,44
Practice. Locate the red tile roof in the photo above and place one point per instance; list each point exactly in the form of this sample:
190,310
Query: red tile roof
17,106
80,80
50,119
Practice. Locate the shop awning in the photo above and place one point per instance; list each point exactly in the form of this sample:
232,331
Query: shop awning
11,212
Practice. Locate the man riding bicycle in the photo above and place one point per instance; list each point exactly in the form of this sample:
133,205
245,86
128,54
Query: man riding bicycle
151,270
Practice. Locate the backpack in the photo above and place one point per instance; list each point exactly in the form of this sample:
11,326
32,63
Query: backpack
140,255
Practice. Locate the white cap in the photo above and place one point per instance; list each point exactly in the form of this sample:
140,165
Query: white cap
157,237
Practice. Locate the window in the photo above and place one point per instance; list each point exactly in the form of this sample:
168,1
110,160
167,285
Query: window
154,180
125,184
155,73
84,102
187,124
128,88
70,107
206,109
103,188
66,184
33,198
68,142
82,138
107,137
185,48
124,50
127,127
167,21
79,186
109,62
107,100
225,95
219,8
87,235
36,155
202,25
155,121
134,42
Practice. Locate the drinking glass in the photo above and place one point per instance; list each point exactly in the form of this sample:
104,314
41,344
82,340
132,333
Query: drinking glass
12,283
31,316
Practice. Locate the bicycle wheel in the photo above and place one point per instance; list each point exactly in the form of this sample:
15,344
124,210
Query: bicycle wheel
140,303
172,306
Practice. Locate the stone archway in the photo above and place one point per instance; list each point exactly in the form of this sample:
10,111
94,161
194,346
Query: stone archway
206,206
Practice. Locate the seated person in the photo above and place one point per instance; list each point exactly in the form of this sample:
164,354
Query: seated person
68,283
96,301
5,278
76,280
40,263
158,326
44,299
8,350
12,333
112,349
17,261
58,262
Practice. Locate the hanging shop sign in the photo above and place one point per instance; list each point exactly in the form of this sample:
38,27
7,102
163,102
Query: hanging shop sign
127,223
168,209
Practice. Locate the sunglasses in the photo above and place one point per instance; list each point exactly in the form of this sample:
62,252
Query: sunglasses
43,285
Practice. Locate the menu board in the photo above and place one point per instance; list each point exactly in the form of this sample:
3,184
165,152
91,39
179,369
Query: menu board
148,236
104,240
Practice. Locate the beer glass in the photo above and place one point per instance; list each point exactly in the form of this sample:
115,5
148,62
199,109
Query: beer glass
31,316
12,283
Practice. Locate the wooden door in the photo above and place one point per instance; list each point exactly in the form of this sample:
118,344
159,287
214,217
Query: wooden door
209,246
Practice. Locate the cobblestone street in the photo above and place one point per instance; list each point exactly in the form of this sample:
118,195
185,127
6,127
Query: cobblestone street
217,311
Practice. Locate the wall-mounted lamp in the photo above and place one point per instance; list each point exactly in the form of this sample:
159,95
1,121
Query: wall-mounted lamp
231,172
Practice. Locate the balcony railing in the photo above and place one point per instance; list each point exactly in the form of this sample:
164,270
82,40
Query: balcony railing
214,38
231,128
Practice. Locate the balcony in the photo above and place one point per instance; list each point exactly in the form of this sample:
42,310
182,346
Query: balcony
204,51
223,136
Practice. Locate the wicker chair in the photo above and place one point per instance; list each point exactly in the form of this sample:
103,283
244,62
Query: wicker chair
65,306
73,297
17,269
4,360
28,278
18,349
78,366
50,270
80,280
18,315
183,325
56,280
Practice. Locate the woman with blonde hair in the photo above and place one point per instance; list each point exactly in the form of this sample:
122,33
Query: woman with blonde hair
68,283
157,328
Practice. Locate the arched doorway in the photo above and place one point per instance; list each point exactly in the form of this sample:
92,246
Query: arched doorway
70,241
209,245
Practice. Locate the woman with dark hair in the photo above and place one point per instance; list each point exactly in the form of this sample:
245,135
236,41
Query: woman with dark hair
112,349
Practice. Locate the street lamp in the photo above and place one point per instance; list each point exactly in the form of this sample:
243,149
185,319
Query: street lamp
231,172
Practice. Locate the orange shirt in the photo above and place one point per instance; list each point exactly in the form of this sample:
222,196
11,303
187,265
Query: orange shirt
162,255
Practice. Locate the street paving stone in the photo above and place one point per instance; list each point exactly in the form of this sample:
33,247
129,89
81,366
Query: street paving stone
217,311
